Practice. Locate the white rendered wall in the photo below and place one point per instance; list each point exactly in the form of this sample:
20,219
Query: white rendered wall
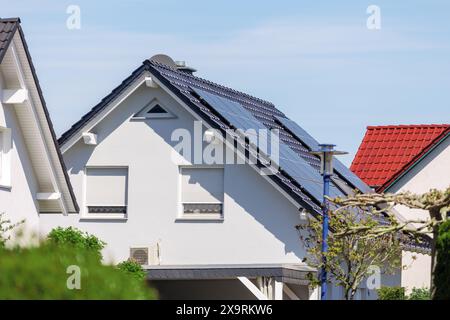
432,172
259,223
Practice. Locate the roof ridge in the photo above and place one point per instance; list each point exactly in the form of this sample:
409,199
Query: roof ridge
16,19
153,62
404,126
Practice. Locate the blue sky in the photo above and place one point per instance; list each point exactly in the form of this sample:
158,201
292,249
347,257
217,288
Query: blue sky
315,60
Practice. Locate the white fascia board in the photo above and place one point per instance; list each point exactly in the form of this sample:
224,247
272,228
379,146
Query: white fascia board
14,96
32,107
105,112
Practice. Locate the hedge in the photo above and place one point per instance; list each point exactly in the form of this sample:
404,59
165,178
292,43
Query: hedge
442,270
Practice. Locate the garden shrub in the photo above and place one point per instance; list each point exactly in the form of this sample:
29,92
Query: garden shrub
133,268
42,273
391,293
419,294
73,237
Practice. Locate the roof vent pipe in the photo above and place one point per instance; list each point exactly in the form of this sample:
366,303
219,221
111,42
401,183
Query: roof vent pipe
168,61
181,65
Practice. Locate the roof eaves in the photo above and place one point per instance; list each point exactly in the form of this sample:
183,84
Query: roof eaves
47,116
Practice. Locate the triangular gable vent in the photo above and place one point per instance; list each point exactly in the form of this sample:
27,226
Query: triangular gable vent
154,110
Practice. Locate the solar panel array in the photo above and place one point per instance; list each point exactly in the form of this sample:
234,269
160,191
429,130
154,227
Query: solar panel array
289,160
263,111
313,144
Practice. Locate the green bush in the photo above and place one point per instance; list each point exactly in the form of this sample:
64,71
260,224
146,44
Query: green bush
78,239
133,268
391,293
442,270
42,273
420,294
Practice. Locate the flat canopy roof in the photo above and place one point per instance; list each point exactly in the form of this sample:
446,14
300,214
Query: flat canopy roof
288,273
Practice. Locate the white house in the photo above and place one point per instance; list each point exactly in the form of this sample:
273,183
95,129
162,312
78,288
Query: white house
414,158
33,178
162,175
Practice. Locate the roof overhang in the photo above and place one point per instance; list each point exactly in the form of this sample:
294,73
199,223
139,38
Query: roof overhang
287,273
36,127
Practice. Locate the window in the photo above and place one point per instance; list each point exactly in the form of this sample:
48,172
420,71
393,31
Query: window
5,157
202,192
106,191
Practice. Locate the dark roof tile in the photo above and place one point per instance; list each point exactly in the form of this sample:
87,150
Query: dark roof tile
8,28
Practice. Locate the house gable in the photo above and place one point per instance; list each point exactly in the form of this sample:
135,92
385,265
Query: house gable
146,149
181,86
22,93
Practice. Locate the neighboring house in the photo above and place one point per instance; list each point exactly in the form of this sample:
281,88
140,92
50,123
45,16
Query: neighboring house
33,178
401,158
202,229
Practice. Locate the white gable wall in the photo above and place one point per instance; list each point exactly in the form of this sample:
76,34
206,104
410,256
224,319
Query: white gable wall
432,172
18,201
259,222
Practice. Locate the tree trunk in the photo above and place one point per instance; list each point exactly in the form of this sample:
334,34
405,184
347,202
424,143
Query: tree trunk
434,214
352,294
347,294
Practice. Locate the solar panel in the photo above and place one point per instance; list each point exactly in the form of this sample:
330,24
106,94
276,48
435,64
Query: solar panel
236,114
289,161
313,144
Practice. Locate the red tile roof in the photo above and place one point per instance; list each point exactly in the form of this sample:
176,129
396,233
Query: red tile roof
388,151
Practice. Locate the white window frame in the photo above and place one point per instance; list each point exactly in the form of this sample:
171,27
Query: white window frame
181,216
85,215
5,157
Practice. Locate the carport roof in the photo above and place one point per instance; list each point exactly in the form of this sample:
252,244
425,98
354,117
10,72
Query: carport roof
288,273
